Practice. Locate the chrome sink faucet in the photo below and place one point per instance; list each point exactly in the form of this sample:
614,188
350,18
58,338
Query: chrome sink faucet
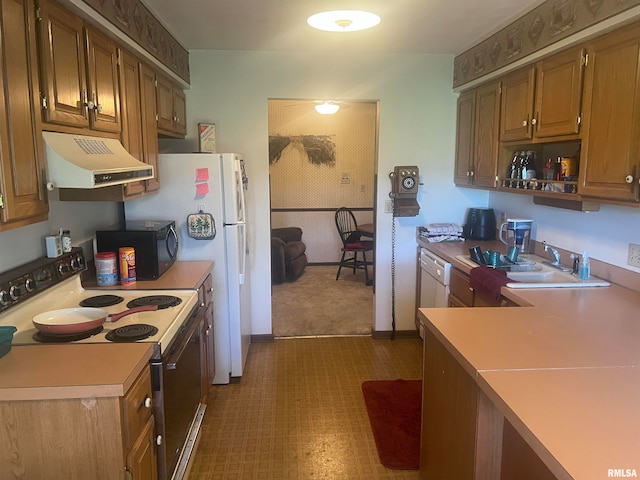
553,254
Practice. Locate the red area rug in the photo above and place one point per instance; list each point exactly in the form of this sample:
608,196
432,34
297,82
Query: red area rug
394,408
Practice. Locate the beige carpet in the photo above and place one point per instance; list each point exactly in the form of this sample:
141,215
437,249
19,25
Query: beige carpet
317,304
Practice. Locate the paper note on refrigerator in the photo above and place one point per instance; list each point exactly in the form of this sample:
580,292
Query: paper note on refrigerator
202,189
202,174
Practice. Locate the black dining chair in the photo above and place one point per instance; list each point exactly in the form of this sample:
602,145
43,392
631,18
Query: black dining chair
352,244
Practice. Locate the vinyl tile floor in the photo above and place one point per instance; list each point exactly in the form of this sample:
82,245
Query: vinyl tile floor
299,413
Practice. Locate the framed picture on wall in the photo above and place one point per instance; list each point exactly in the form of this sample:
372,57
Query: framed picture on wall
207,137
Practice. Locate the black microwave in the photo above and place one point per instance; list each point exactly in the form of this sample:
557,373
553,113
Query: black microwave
155,243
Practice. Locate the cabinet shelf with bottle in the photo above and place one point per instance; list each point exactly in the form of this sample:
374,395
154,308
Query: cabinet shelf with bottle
547,172
550,168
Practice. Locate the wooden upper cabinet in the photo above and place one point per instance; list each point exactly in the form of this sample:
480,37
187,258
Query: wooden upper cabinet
131,114
62,68
79,72
559,94
149,123
610,156
180,109
544,100
487,123
23,197
517,105
465,130
477,136
102,75
171,108
164,99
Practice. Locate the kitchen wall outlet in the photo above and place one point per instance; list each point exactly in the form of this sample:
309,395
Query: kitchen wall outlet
633,258
345,178
388,206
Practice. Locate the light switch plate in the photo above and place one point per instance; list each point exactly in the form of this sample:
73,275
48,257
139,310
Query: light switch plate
388,206
633,258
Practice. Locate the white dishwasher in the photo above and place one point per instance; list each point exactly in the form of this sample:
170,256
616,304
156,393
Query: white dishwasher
435,276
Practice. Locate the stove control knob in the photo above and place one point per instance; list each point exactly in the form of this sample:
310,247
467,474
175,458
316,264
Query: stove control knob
4,298
76,263
30,284
63,268
14,292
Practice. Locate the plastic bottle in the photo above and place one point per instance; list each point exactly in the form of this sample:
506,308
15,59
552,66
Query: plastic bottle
529,169
512,172
522,172
65,237
585,267
557,169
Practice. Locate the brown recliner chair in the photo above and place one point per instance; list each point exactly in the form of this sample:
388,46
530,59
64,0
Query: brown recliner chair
288,257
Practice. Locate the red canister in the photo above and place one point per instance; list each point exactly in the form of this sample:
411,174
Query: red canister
127,265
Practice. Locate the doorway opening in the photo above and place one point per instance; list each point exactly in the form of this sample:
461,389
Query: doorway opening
317,164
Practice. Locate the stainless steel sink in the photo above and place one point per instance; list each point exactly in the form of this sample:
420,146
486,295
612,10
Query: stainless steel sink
542,275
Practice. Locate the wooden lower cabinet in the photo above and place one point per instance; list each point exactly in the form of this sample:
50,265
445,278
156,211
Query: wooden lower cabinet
449,403
206,353
519,461
461,295
207,356
98,438
461,430
463,435
142,461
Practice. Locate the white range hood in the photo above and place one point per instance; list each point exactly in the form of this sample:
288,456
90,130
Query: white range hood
79,161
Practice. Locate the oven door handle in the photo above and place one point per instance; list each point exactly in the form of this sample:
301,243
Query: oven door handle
192,334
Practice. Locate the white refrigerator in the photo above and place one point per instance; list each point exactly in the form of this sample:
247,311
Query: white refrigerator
209,183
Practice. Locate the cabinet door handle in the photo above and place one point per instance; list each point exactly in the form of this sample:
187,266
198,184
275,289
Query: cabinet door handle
629,179
85,102
525,123
159,440
533,121
147,402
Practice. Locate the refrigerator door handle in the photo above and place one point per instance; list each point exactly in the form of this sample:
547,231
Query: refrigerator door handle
240,194
243,252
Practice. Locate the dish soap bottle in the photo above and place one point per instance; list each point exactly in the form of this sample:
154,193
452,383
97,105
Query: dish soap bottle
585,267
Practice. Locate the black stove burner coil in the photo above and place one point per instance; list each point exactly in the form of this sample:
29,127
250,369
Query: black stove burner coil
43,337
101,301
132,333
162,301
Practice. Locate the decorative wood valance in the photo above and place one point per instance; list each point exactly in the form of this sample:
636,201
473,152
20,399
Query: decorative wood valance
545,25
137,22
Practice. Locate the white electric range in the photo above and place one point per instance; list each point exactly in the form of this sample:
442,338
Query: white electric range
158,327
174,329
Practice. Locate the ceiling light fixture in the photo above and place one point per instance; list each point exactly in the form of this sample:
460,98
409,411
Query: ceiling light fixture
343,20
327,108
